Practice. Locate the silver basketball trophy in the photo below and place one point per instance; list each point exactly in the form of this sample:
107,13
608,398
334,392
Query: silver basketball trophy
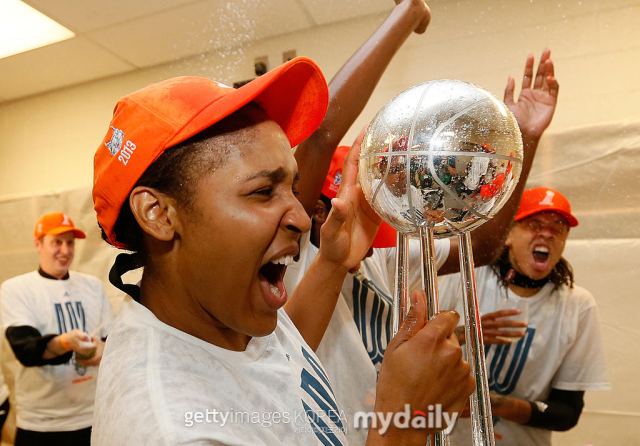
439,160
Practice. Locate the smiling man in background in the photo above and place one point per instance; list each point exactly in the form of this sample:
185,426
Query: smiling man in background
47,316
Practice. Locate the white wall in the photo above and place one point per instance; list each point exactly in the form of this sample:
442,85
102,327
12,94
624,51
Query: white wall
47,141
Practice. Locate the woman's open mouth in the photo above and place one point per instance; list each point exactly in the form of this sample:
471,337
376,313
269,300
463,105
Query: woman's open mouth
271,279
541,257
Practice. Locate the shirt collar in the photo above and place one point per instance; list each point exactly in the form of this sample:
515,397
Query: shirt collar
49,276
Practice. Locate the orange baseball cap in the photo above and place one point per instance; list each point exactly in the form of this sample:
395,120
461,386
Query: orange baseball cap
332,182
541,199
386,235
149,121
54,224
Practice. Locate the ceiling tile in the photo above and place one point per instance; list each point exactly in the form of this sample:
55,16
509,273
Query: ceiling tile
122,35
200,27
59,65
86,15
329,11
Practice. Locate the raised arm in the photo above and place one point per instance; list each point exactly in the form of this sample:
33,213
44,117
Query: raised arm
534,110
350,90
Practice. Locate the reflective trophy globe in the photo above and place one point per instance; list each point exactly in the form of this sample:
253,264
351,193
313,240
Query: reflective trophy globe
446,154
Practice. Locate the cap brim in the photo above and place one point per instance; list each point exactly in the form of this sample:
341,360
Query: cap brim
61,230
294,95
570,218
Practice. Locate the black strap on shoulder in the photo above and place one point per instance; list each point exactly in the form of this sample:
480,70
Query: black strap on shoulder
123,264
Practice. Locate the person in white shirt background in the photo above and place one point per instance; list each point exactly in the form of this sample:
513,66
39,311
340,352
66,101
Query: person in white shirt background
55,321
537,377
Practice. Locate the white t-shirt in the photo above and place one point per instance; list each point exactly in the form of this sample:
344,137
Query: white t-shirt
161,386
55,398
562,349
477,167
360,328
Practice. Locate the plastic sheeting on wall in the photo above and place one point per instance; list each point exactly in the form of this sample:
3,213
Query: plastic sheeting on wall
598,169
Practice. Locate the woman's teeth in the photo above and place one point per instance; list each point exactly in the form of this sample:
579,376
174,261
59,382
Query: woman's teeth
275,290
541,254
286,260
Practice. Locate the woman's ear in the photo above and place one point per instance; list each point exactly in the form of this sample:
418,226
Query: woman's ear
155,212
320,213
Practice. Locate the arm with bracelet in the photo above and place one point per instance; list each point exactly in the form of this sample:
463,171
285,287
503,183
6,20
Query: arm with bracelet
75,340
33,349
24,321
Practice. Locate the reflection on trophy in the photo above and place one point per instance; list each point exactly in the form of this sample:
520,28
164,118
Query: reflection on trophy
438,160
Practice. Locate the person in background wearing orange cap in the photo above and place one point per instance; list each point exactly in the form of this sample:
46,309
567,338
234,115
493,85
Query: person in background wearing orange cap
50,317
199,181
360,329
539,377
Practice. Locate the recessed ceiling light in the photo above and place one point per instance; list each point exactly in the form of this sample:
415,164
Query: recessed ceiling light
22,28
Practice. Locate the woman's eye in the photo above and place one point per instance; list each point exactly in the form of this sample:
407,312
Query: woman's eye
266,191
295,191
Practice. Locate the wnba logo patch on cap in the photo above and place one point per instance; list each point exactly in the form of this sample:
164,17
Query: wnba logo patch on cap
337,179
115,144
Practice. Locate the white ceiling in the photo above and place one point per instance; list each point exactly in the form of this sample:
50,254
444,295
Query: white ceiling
119,36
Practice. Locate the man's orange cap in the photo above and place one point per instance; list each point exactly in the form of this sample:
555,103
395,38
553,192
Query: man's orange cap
54,224
159,116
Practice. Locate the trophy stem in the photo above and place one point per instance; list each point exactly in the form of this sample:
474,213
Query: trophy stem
481,419
430,286
400,295
429,278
